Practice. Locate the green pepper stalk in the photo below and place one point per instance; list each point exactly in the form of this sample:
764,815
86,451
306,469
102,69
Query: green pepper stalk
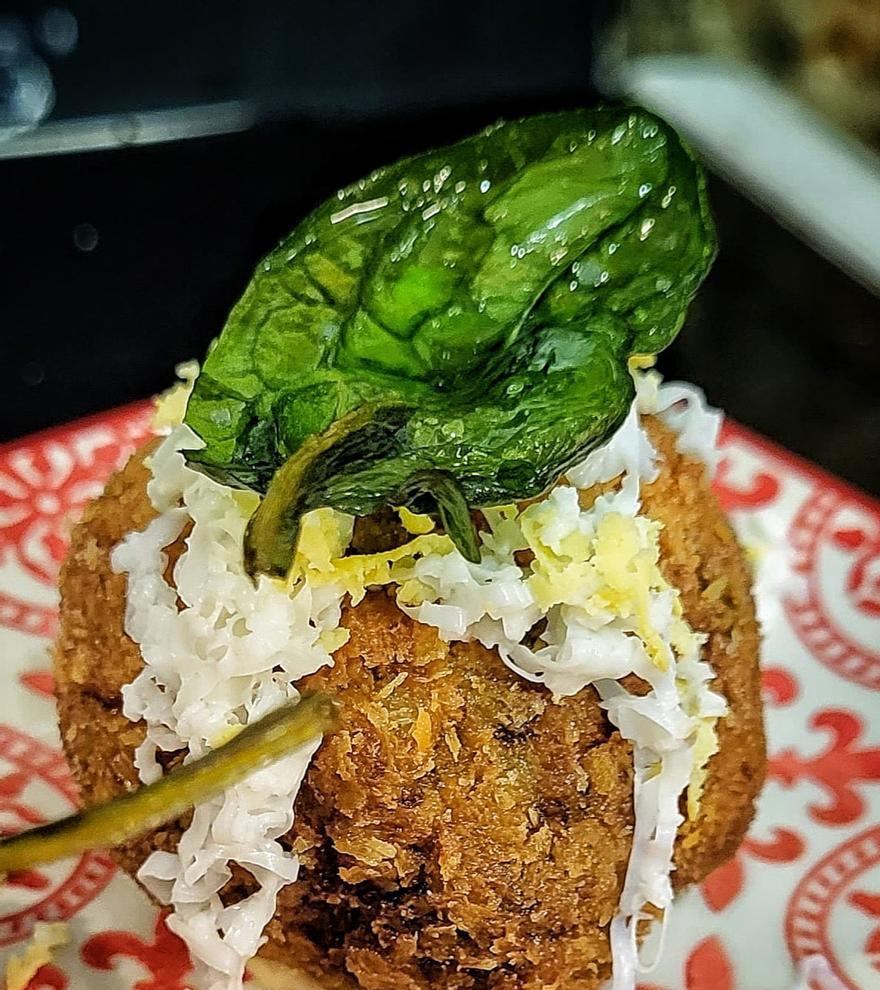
481,303
124,818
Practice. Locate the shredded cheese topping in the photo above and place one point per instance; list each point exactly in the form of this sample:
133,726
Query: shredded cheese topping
220,652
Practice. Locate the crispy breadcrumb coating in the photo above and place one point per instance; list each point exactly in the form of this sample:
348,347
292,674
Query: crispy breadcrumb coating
461,830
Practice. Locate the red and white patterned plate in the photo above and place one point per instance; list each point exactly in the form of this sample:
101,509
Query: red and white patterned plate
807,879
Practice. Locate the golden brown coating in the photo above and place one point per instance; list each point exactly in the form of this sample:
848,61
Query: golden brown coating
461,830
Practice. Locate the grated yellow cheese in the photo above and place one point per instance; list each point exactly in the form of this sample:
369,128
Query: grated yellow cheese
639,362
414,522
324,537
627,557
613,568
705,747
333,639
46,937
170,406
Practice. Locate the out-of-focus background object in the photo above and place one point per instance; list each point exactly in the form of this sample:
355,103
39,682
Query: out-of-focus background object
739,80
825,51
149,154
781,98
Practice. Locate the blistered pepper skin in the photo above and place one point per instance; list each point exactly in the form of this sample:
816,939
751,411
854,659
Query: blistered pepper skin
483,299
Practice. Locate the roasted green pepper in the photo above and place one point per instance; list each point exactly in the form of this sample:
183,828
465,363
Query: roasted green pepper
453,331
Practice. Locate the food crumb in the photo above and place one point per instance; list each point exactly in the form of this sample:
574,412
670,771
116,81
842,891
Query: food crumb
715,590
453,742
423,730
392,685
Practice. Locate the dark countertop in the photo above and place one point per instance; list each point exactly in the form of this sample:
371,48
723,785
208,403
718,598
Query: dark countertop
117,265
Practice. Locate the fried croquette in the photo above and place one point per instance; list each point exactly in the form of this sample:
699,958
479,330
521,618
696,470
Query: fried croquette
462,830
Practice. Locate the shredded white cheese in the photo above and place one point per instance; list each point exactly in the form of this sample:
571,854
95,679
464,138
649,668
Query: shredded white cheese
220,652
609,613
682,407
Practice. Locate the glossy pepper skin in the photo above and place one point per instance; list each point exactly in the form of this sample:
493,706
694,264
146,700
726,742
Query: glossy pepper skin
466,315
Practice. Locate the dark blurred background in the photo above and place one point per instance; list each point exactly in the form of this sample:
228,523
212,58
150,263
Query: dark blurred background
212,128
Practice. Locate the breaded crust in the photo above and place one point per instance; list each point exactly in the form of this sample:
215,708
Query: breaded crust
461,830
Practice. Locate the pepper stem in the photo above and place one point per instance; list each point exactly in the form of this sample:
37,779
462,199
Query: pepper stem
453,509
126,817
271,534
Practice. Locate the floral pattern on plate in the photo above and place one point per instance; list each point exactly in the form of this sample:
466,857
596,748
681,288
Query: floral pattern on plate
805,881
